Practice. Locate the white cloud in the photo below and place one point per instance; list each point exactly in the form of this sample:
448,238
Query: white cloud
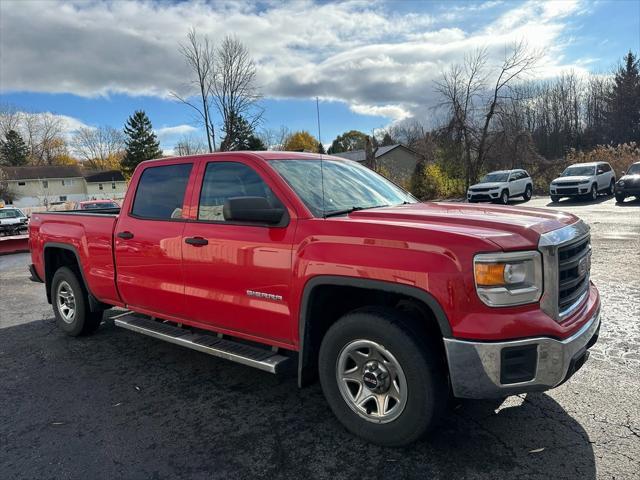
176,130
378,61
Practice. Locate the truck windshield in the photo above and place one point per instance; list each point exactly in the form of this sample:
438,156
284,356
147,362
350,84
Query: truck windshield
495,177
10,213
347,185
579,171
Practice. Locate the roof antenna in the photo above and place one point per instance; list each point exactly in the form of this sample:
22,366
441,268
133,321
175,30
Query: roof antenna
321,162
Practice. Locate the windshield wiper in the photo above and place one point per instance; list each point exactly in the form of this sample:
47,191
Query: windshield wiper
345,211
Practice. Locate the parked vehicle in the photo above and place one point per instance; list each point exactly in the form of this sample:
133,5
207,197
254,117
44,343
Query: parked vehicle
393,304
502,185
629,184
12,221
95,204
585,180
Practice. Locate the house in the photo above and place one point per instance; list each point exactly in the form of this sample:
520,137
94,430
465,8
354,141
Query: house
56,184
398,161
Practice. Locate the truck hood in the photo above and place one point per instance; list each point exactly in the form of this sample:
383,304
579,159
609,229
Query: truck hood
509,227
571,179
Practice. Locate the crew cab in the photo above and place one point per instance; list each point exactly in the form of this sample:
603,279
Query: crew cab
629,184
502,185
282,260
583,180
12,221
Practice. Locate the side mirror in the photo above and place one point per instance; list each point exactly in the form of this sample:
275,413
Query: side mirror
251,209
624,172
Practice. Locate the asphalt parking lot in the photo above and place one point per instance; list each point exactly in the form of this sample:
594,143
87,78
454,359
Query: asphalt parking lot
121,405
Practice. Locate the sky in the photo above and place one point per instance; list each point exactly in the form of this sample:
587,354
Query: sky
371,63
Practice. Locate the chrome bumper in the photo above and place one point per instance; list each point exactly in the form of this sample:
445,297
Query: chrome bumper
475,367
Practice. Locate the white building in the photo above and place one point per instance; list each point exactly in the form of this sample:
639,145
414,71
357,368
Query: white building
53,185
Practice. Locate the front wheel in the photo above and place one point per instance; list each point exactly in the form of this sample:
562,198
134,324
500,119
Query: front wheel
504,198
593,194
383,382
555,198
528,193
71,305
611,188
620,198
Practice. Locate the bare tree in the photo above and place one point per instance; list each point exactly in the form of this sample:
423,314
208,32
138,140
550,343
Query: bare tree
274,139
200,57
189,145
99,148
235,93
473,101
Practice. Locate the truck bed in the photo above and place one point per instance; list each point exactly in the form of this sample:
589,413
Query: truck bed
86,235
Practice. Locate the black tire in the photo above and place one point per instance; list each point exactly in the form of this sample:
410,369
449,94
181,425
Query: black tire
555,198
620,198
83,321
528,193
424,371
504,197
593,193
612,187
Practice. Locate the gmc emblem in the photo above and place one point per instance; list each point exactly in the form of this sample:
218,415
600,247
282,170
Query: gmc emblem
584,265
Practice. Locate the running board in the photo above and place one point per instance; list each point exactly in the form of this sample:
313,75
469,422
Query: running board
261,358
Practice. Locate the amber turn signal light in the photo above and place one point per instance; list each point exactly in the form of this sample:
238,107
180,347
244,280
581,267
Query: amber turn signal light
490,274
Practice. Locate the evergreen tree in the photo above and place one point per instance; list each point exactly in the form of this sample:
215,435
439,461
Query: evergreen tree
321,148
141,143
13,150
241,137
623,103
387,140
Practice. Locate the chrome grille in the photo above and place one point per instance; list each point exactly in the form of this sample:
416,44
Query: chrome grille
574,265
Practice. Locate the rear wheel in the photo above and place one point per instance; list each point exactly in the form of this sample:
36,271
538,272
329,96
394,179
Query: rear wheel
383,382
528,192
71,305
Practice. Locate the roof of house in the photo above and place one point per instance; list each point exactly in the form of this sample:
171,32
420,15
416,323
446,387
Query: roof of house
44,171
360,155
104,176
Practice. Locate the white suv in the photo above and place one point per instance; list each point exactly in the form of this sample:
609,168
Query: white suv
500,186
583,180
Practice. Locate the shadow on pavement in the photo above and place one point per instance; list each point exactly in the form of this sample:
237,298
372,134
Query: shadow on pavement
579,201
120,405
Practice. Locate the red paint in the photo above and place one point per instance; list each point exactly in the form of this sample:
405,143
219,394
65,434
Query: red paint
429,246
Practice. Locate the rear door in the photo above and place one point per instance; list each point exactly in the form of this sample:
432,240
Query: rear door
148,240
237,276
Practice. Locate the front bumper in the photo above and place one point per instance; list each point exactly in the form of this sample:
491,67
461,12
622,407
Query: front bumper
487,196
498,369
628,190
572,191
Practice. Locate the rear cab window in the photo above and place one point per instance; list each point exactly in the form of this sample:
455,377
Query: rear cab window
160,192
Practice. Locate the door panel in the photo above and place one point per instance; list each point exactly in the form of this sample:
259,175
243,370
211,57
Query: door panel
238,278
148,241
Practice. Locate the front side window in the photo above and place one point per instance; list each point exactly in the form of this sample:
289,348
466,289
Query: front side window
160,192
223,180
347,185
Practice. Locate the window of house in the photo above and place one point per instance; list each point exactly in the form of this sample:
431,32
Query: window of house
223,180
160,192
63,198
45,184
113,185
99,186
67,183
21,184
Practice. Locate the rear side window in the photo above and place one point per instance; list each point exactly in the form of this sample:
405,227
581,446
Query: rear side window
223,180
160,192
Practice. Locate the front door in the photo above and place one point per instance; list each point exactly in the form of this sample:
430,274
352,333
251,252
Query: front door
148,241
237,276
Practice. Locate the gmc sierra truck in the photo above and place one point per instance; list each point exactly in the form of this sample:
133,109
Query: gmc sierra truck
279,260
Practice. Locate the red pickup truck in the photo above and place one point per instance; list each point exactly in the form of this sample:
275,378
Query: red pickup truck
277,259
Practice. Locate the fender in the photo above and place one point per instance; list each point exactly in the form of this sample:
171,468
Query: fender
94,304
369,284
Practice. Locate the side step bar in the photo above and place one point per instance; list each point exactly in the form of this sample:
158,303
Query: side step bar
256,357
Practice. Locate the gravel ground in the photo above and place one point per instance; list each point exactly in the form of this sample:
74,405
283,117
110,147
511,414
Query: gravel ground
121,405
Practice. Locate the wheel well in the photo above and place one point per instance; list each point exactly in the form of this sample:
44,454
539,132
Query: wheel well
56,257
328,303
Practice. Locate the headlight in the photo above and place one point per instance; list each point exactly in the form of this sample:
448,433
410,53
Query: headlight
584,181
621,183
505,279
